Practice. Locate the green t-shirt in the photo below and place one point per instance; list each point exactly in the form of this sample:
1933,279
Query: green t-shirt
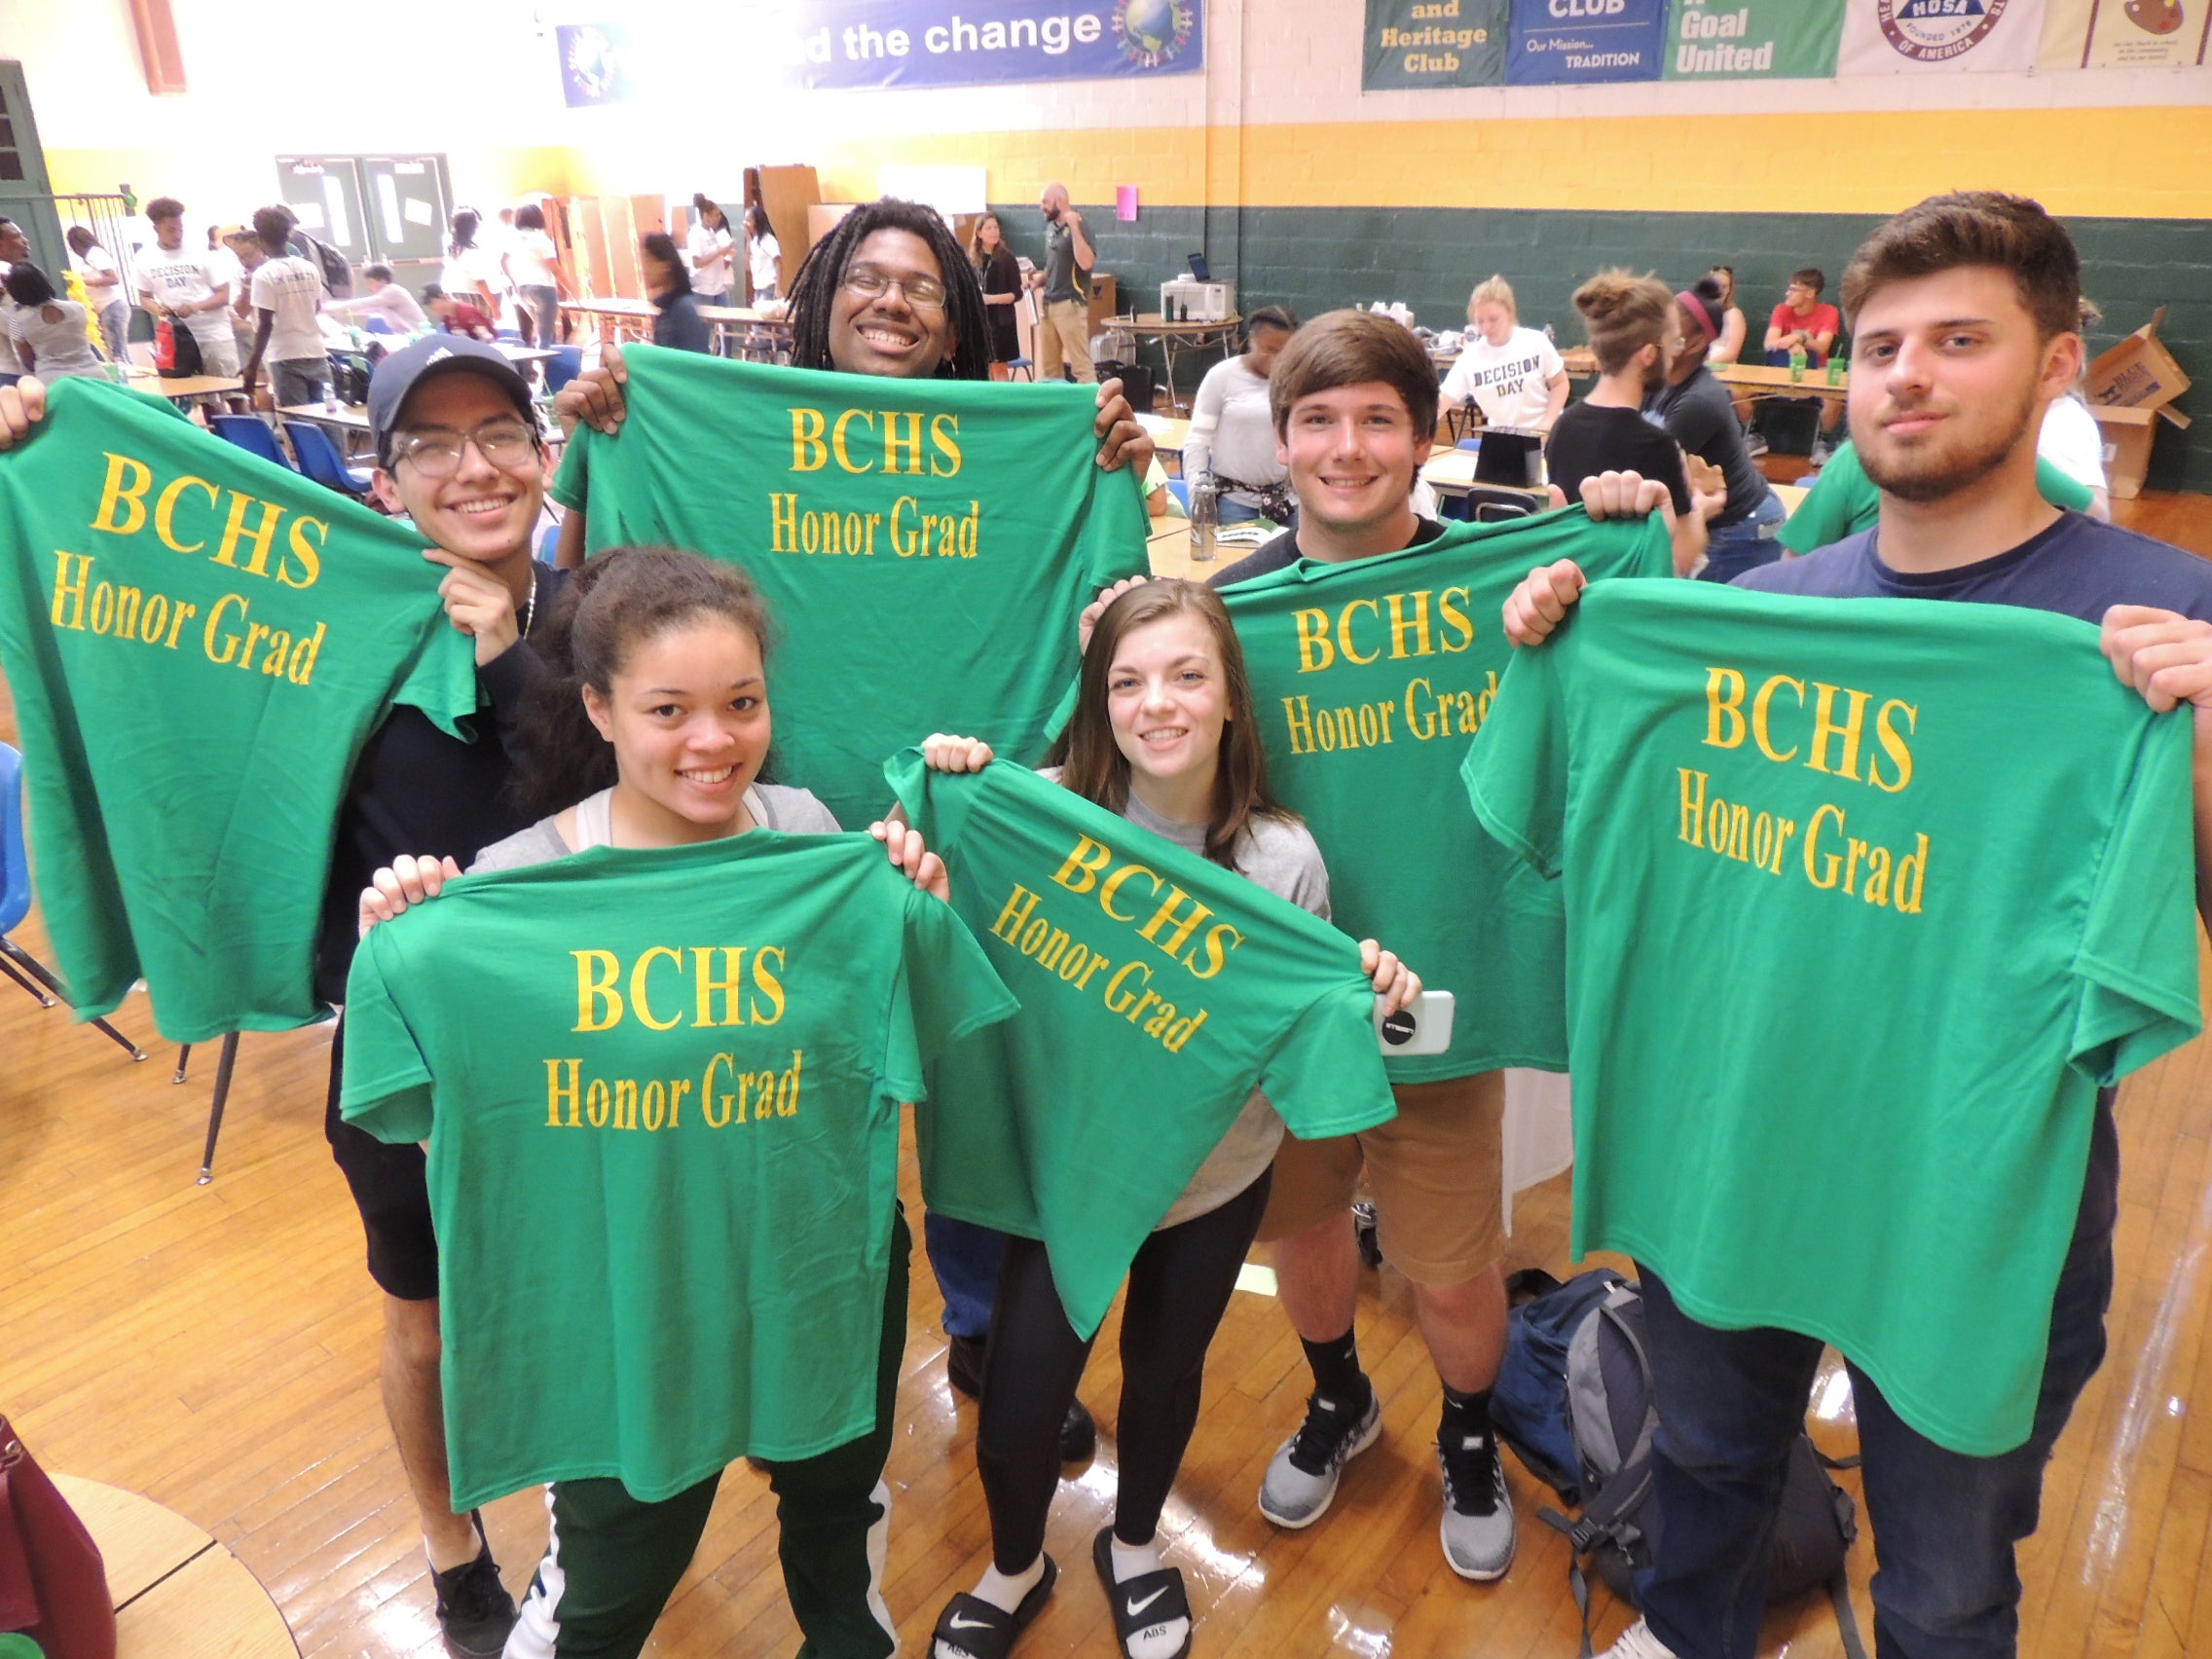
925,546
1081,1121
1367,678
198,644
661,1093
1865,899
1844,500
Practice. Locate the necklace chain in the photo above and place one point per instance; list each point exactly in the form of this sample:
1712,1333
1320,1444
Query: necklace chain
530,607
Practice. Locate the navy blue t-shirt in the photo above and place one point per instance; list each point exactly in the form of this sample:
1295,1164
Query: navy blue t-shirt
2077,567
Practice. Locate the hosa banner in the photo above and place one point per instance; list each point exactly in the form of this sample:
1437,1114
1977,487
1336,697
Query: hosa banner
1561,41
1435,43
1922,37
1721,40
2126,34
846,44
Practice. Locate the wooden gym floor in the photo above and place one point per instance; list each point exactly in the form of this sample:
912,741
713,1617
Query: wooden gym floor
215,1347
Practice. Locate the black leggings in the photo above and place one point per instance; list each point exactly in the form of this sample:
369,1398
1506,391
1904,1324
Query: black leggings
1179,1288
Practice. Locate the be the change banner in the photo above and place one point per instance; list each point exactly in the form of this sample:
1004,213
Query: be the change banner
967,43
1564,42
1435,43
1723,39
2126,34
1939,37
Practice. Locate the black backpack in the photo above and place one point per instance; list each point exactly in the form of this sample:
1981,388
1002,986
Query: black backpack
337,274
1574,1400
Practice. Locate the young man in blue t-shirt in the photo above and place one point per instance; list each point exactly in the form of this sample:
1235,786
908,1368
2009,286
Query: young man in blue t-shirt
1964,318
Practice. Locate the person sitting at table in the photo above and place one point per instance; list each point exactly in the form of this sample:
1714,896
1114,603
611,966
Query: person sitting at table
49,333
1631,327
1514,375
1803,322
386,299
456,316
1231,443
678,324
1729,346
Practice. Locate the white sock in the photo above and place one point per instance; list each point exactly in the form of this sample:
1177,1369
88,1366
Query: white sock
1156,1641
1005,1592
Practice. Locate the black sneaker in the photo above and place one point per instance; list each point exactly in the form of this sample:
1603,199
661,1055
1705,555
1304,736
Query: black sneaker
475,1612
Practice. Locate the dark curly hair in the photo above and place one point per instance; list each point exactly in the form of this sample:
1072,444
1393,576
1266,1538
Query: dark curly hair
619,599
815,287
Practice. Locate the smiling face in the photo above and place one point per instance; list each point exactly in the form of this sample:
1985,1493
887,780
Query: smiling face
482,512
1494,321
688,714
1167,700
1352,452
887,333
1950,379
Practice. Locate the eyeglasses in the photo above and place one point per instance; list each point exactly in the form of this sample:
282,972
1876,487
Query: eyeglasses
505,444
871,281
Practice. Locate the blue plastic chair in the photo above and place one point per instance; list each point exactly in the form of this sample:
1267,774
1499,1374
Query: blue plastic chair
18,964
564,366
251,434
513,336
1469,444
377,325
321,461
1180,489
549,545
1025,367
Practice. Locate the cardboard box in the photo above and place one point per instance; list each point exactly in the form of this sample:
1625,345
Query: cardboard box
2130,389
2127,434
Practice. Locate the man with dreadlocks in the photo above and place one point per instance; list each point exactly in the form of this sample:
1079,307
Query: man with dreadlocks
889,292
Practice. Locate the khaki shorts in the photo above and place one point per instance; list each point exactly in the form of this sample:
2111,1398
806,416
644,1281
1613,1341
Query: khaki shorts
1435,1172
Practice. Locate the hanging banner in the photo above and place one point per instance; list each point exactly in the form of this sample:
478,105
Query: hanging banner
1726,40
845,44
595,63
1922,37
1564,41
2126,34
1435,43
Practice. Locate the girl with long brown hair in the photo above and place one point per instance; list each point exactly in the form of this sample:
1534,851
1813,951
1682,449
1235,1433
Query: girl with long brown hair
1162,733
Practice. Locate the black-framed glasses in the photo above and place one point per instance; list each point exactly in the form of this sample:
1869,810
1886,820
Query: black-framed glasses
506,444
871,281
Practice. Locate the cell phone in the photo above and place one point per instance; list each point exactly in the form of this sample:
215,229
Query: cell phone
1425,1028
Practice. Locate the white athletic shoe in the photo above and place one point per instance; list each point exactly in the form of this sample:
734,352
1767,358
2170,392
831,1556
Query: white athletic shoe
1638,1643
1302,1479
1478,1530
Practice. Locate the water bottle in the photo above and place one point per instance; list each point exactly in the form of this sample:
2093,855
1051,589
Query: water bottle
1551,334
1205,520
1797,361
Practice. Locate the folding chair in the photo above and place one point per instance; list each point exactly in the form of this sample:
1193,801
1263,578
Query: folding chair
18,964
564,366
321,461
251,434
226,1061
375,325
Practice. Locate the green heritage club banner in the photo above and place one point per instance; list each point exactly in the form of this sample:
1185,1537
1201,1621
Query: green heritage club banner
1368,678
1866,899
1157,990
1435,43
925,546
198,643
1779,40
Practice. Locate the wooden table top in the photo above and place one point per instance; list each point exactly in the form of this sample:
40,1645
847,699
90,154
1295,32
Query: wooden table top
178,1593
353,415
1764,376
185,385
1169,433
1152,322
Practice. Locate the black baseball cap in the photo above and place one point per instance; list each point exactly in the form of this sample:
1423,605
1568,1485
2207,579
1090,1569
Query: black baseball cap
398,375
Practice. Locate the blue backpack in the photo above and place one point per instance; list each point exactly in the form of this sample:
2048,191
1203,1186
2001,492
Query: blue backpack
1574,1399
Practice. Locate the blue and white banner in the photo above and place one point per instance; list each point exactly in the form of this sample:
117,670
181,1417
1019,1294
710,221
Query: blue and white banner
843,43
1564,41
595,63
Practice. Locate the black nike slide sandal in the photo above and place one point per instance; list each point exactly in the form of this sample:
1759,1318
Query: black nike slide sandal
973,1628
1140,1603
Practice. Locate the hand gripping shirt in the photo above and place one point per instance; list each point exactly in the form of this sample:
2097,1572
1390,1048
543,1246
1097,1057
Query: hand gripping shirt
1369,677
198,643
1864,900
925,546
1157,989
661,1093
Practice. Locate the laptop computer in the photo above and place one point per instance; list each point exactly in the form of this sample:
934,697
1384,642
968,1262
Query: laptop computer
1510,456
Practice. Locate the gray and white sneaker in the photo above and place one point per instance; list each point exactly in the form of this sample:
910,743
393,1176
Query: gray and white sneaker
1302,1479
1478,1512
1638,1643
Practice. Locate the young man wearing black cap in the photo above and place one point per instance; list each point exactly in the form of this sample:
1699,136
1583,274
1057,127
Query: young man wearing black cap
459,452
